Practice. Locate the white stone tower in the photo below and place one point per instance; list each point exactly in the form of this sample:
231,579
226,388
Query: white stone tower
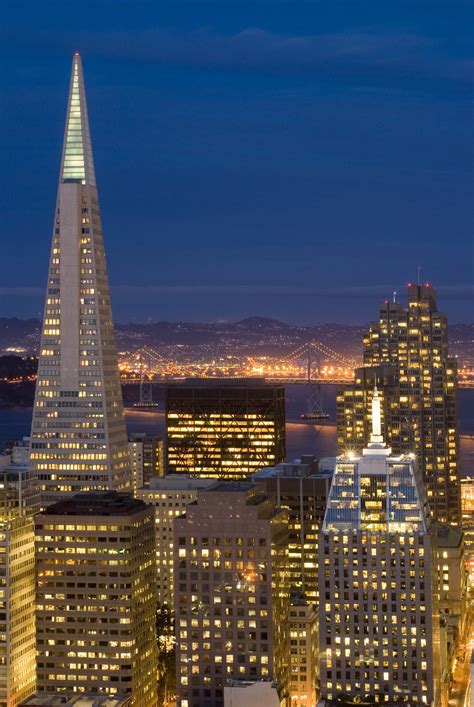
379,623
78,436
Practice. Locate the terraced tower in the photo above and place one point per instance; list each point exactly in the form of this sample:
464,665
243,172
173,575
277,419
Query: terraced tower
78,436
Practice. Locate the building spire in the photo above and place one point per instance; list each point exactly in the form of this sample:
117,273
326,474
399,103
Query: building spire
78,434
376,436
77,163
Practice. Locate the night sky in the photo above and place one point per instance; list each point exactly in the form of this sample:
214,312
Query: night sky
296,160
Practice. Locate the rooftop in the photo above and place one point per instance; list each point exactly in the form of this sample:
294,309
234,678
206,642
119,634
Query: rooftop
231,486
61,699
224,382
176,482
449,536
97,503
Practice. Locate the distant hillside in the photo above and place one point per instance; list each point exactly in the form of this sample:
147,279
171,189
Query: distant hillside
254,334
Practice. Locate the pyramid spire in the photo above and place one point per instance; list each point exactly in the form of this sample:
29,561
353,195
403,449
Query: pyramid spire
78,436
77,162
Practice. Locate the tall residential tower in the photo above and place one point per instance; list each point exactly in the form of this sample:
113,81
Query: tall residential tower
78,436
406,355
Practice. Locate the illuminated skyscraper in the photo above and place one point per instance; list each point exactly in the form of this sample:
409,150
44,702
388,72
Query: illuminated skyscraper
224,428
231,594
18,502
146,459
406,354
96,597
78,436
379,628
169,495
302,491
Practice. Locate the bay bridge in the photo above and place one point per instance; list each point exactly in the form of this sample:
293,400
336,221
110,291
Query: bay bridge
312,364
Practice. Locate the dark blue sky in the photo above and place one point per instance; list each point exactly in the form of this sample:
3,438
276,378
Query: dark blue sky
287,159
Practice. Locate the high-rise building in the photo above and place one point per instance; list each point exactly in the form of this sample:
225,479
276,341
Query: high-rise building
304,653
18,503
231,594
62,699
299,487
169,496
224,428
146,458
406,351
379,628
78,436
96,597
467,507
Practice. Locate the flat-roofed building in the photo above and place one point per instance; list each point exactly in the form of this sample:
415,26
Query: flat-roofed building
231,594
96,597
224,428
169,496
60,699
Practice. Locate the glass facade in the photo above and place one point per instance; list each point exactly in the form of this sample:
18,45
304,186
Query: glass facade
224,429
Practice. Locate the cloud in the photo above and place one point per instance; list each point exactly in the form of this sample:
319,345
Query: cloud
351,54
358,291
461,292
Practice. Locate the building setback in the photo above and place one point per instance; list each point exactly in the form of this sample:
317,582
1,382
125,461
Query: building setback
406,352
231,594
96,597
78,436
379,624
224,428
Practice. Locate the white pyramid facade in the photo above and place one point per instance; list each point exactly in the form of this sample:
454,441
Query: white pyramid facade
78,437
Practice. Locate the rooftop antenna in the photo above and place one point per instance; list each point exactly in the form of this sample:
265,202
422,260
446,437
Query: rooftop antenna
419,275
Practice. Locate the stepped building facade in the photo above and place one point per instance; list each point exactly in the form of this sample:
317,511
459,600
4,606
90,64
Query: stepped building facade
78,437
406,355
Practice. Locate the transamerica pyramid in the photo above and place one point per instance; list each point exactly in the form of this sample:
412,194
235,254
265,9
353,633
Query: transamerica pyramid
78,436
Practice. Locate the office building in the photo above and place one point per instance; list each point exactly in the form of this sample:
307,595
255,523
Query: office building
379,632
96,597
304,653
302,489
231,595
146,458
18,502
169,496
61,699
467,510
452,573
417,381
78,436
225,428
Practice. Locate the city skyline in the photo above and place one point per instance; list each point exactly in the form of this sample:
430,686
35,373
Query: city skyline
165,542
244,154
